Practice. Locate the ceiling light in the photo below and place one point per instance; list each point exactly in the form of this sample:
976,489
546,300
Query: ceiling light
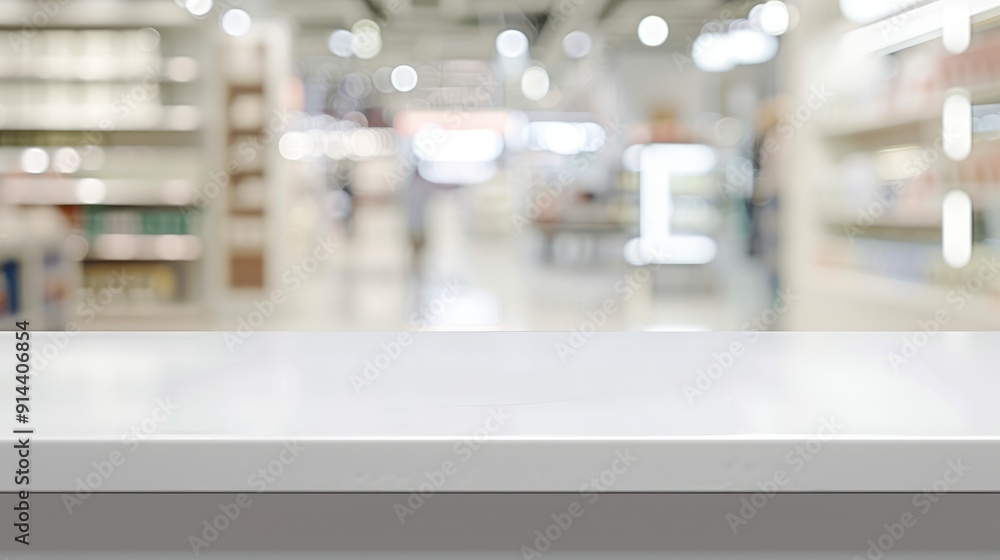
512,43
403,78
34,160
535,83
774,18
198,7
564,138
235,22
367,40
956,26
710,53
956,126
653,31
295,145
577,44
435,144
457,173
956,229
341,43
749,46
91,191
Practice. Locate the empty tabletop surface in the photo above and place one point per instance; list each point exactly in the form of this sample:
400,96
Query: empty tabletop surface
527,411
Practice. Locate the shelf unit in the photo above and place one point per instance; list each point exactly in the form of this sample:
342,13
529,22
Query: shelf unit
877,175
256,68
104,122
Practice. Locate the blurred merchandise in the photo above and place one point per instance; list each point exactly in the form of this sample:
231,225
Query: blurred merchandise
337,166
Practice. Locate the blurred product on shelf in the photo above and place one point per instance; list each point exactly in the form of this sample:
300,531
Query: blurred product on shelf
208,154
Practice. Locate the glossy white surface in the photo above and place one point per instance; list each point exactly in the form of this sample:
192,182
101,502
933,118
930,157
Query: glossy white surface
816,411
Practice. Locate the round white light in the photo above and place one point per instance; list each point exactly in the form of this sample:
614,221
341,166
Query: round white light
774,18
653,31
235,22
512,43
367,41
749,46
296,145
564,138
577,44
198,7
34,160
365,144
91,191
711,53
403,78
341,43
535,83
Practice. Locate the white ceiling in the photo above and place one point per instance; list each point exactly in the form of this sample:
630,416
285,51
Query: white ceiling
439,29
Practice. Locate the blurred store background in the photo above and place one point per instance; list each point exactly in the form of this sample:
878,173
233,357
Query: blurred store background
573,165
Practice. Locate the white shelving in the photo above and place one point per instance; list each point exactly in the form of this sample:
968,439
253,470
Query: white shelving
876,174
115,115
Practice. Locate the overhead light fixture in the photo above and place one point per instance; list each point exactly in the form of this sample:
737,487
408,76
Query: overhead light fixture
956,126
34,160
710,53
577,44
403,78
742,44
535,83
956,25
295,145
564,138
457,173
657,244
91,191
341,43
366,40
198,7
235,22
749,46
956,229
773,18
653,31
435,144
512,43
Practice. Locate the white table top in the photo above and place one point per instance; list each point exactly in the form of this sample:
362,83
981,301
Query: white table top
815,411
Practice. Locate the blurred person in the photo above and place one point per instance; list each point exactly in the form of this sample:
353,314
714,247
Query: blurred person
340,181
763,206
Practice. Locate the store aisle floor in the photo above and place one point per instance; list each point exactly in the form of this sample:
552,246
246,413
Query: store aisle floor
486,282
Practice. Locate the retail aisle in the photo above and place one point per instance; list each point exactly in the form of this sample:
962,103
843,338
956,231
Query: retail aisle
472,281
